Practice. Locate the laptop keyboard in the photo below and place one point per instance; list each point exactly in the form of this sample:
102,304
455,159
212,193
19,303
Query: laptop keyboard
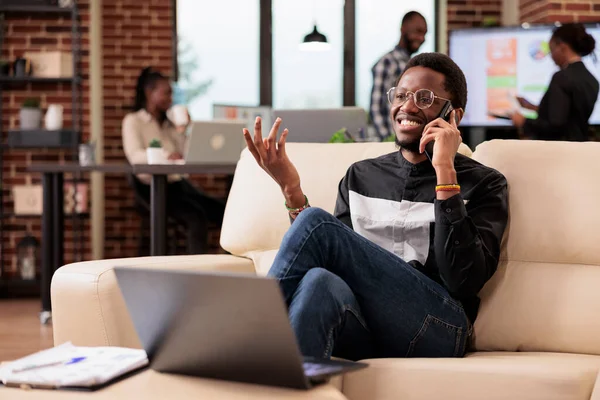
315,369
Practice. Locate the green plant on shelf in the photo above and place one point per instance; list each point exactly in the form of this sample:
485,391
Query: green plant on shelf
31,102
155,144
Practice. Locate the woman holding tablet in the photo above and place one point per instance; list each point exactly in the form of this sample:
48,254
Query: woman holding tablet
568,103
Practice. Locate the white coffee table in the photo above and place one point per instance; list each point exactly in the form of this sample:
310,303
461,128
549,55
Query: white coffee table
151,385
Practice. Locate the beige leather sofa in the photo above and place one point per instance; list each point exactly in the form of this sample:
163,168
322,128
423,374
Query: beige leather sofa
538,330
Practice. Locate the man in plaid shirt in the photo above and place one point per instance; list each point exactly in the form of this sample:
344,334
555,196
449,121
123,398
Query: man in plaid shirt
390,66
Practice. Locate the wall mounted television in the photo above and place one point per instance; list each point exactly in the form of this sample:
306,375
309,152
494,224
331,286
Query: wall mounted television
501,63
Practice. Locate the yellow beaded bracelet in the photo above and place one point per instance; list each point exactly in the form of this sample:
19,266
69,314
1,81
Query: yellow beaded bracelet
447,188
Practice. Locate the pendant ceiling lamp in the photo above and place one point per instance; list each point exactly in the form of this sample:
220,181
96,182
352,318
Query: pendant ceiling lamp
315,40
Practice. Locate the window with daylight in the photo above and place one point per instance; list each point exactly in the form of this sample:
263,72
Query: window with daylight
307,77
378,31
217,55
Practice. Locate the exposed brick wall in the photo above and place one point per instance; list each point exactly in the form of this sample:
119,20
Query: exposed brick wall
533,11
36,32
136,34
130,39
473,13
549,11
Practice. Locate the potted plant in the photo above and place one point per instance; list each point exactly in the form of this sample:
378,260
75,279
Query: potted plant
155,153
30,115
341,136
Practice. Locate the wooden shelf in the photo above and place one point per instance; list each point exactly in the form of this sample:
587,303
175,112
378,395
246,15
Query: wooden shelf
37,9
41,138
35,79
67,215
66,139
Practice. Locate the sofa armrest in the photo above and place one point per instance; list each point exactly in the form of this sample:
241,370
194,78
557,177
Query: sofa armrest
596,391
87,306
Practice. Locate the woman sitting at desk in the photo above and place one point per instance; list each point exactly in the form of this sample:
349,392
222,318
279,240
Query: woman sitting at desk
566,107
186,204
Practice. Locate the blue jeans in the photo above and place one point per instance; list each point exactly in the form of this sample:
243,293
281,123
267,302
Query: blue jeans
350,298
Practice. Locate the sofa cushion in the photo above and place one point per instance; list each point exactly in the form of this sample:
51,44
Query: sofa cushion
543,376
255,216
535,306
262,260
544,296
553,199
87,306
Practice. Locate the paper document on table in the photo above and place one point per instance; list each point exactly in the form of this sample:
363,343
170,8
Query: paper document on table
72,366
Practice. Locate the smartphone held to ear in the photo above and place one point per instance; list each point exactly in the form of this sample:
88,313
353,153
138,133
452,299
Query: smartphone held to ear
446,111
445,115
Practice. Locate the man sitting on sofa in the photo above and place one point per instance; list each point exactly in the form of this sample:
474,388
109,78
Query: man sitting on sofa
395,272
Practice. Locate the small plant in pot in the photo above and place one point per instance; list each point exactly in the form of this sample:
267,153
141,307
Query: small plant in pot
30,115
155,153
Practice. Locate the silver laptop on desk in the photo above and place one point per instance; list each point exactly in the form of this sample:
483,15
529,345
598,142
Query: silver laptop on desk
216,325
319,125
215,142
246,113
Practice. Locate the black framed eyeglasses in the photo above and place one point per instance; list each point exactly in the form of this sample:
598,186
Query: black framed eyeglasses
423,98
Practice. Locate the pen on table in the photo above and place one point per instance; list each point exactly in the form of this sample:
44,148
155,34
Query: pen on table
50,364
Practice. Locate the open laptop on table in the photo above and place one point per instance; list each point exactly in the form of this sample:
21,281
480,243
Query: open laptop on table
215,142
319,125
223,326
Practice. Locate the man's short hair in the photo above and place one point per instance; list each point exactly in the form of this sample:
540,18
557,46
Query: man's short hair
410,15
454,82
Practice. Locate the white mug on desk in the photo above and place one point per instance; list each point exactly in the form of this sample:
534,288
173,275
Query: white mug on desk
178,114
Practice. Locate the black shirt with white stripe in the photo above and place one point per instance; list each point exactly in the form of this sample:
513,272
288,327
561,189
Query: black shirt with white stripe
455,242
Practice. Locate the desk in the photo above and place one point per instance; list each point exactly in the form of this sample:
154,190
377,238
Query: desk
158,195
53,209
53,218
